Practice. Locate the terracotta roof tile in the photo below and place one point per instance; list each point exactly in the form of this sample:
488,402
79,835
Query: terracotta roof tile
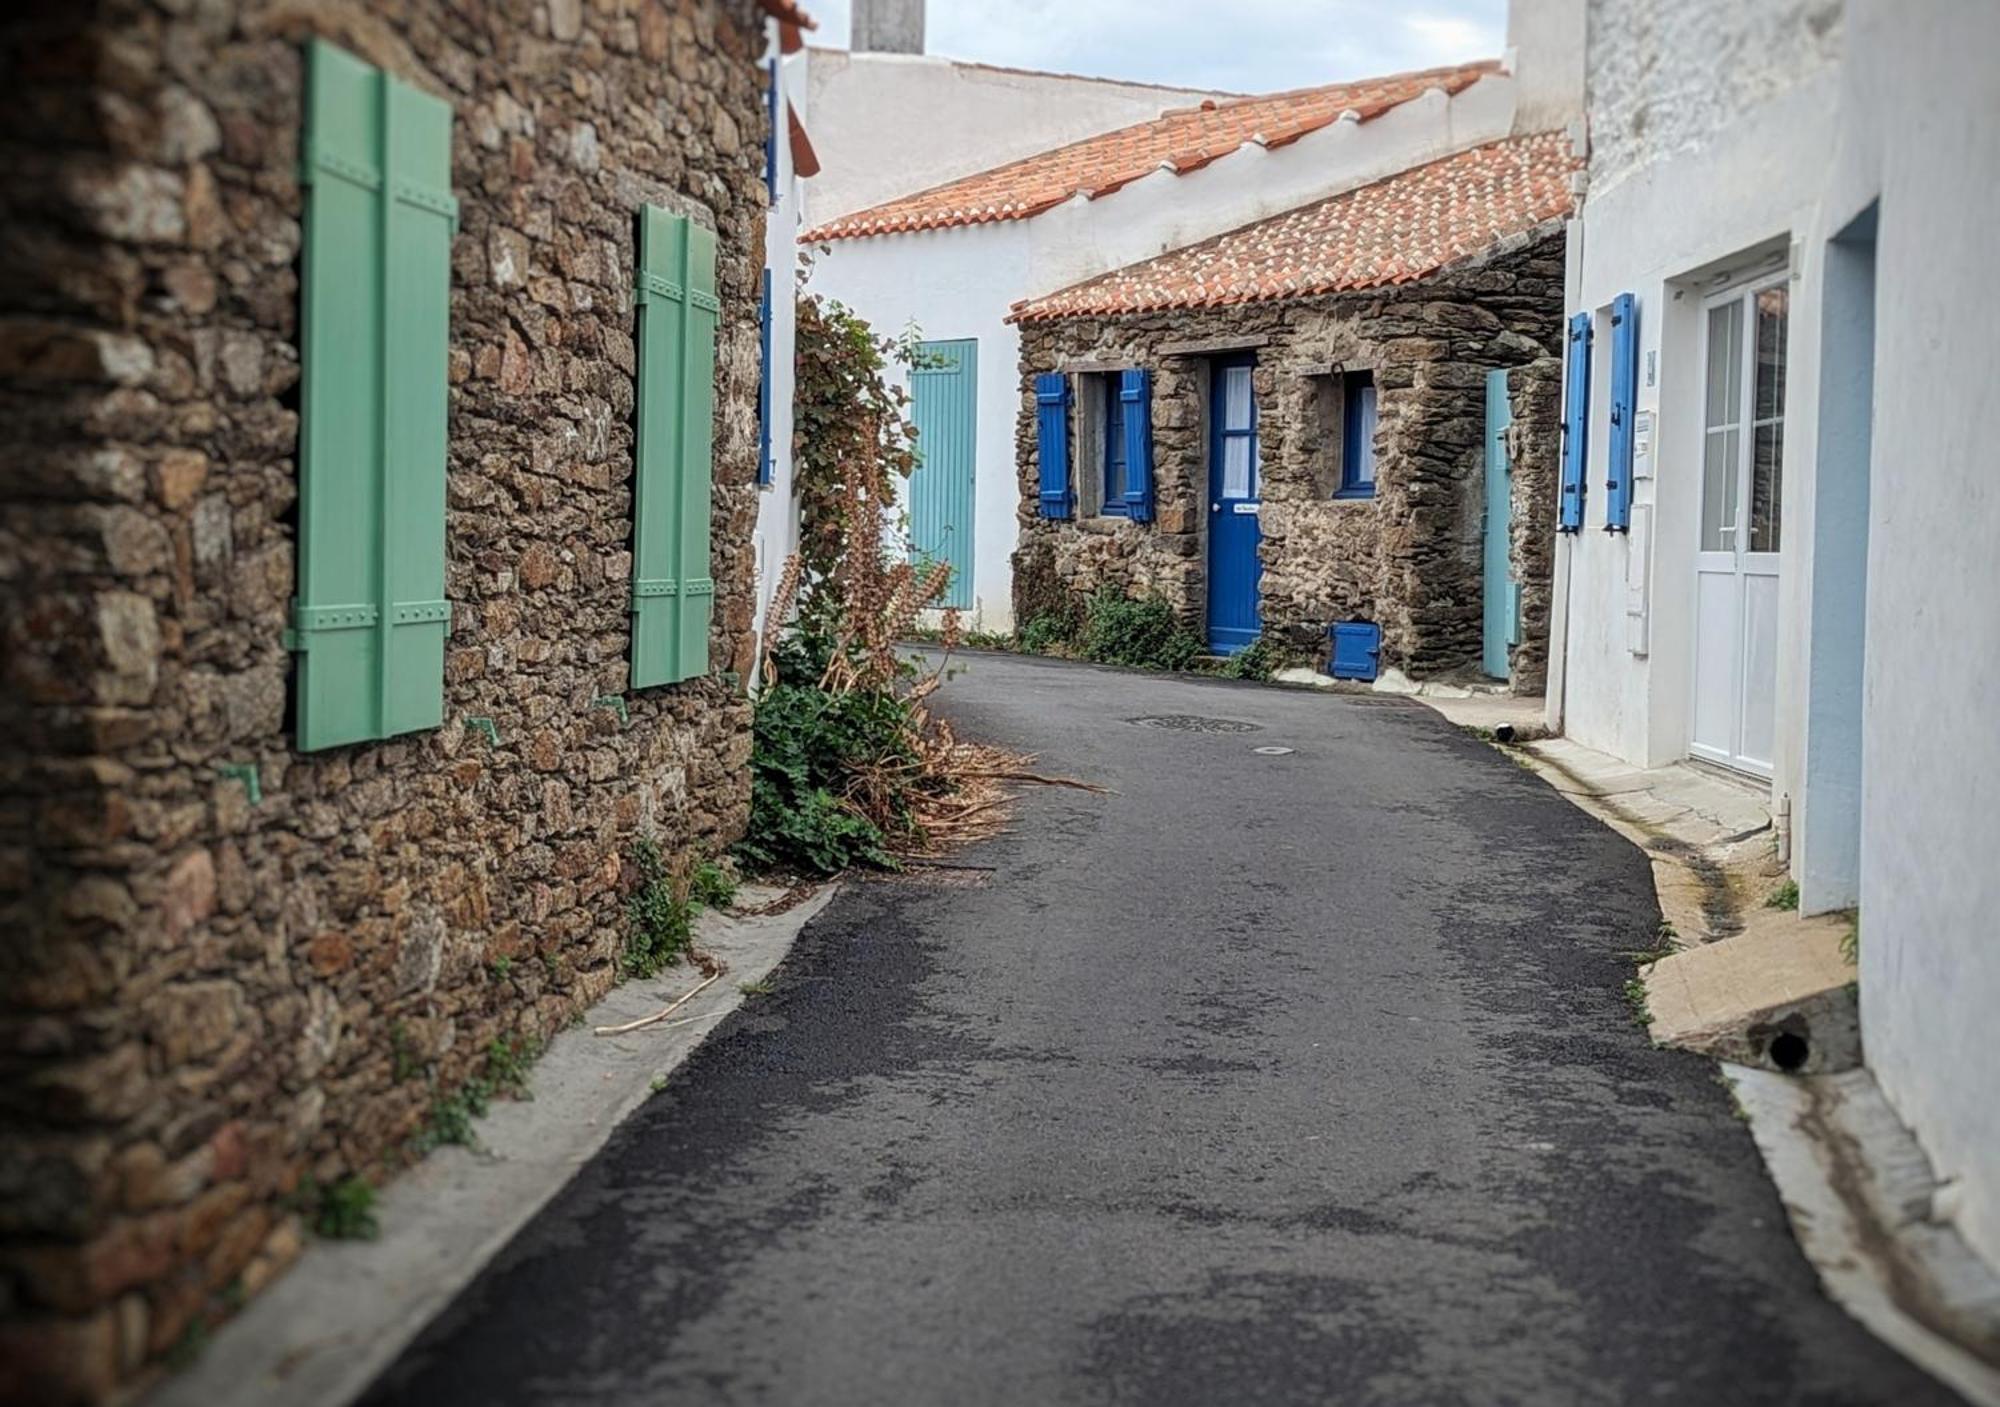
1400,228
1182,140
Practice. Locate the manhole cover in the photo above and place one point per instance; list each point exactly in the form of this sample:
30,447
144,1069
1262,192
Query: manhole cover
1193,723
1272,751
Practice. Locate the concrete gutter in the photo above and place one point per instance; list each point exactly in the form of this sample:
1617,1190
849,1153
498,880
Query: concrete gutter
1864,1204
1771,996
321,1334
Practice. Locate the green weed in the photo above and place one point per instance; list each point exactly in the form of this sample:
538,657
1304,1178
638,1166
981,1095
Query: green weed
340,1211
1046,633
1139,634
760,988
1785,896
1635,998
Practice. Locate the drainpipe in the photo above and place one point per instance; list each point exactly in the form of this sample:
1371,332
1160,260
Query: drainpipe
1556,711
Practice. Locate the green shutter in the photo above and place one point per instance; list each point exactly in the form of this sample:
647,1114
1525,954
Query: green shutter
370,618
672,593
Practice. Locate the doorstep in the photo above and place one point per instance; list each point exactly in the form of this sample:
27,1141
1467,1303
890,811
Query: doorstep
321,1334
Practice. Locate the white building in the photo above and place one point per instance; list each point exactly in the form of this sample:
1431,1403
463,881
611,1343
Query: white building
790,161
953,259
1797,196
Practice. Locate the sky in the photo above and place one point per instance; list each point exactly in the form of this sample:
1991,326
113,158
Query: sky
1232,45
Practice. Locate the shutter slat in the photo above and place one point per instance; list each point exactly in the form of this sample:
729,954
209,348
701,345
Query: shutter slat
1624,399
1136,390
1576,423
655,489
416,311
374,297
697,461
1052,444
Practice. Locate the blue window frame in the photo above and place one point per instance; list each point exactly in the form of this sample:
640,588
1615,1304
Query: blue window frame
1357,436
1114,503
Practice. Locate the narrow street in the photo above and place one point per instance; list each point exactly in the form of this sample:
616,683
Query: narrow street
1262,1078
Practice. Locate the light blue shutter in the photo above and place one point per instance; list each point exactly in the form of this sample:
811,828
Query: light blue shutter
1136,390
1052,431
765,466
1624,397
1576,423
370,617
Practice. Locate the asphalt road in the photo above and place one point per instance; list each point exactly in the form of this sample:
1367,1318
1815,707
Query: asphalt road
1298,1078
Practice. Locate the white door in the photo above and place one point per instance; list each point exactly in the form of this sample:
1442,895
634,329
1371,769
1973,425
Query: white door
1736,568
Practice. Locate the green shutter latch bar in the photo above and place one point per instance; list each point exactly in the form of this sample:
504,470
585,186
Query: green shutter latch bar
616,704
246,773
484,725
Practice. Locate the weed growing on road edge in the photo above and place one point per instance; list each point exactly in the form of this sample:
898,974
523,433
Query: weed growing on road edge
1785,896
339,1211
1047,634
452,1116
1264,658
1850,942
659,917
760,988
1635,997
1141,633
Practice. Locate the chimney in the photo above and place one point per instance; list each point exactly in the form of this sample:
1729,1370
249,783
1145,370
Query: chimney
887,27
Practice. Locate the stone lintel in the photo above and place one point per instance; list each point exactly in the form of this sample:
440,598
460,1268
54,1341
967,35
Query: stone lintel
1214,344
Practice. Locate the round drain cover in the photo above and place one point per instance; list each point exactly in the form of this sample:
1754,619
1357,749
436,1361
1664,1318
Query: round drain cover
1193,723
1272,751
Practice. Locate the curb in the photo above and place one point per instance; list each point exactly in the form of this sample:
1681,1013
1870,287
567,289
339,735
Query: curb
322,1333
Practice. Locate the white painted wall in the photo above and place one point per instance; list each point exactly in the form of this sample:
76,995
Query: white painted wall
777,512
962,282
951,284
1920,128
890,124
1697,165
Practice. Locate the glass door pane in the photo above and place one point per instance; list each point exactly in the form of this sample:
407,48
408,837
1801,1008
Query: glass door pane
1768,423
1722,445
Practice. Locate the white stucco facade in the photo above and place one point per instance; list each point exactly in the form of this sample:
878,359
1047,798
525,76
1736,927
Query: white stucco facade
1847,153
961,282
889,124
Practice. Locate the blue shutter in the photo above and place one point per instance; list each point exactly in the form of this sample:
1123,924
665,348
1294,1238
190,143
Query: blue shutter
1357,650
1624,395
1136,391
764,464
1052,427
1576,423
771,139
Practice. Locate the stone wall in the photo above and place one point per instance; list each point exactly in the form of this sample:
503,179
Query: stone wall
1407,558
207,996
1534,450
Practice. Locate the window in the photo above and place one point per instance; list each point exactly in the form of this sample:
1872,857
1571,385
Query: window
1112,504
1357,438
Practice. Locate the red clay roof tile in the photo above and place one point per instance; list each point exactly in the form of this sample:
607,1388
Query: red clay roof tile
1400,228
1181,140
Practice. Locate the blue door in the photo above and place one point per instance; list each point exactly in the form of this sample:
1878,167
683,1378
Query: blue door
1496,586
1232,508
944,395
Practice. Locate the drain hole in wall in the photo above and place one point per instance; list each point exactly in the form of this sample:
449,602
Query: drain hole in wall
1789,1051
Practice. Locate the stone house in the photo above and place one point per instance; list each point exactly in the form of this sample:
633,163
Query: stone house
1108,187
1345,414
381,397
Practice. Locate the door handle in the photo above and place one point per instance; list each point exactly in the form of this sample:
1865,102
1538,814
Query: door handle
1215,507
